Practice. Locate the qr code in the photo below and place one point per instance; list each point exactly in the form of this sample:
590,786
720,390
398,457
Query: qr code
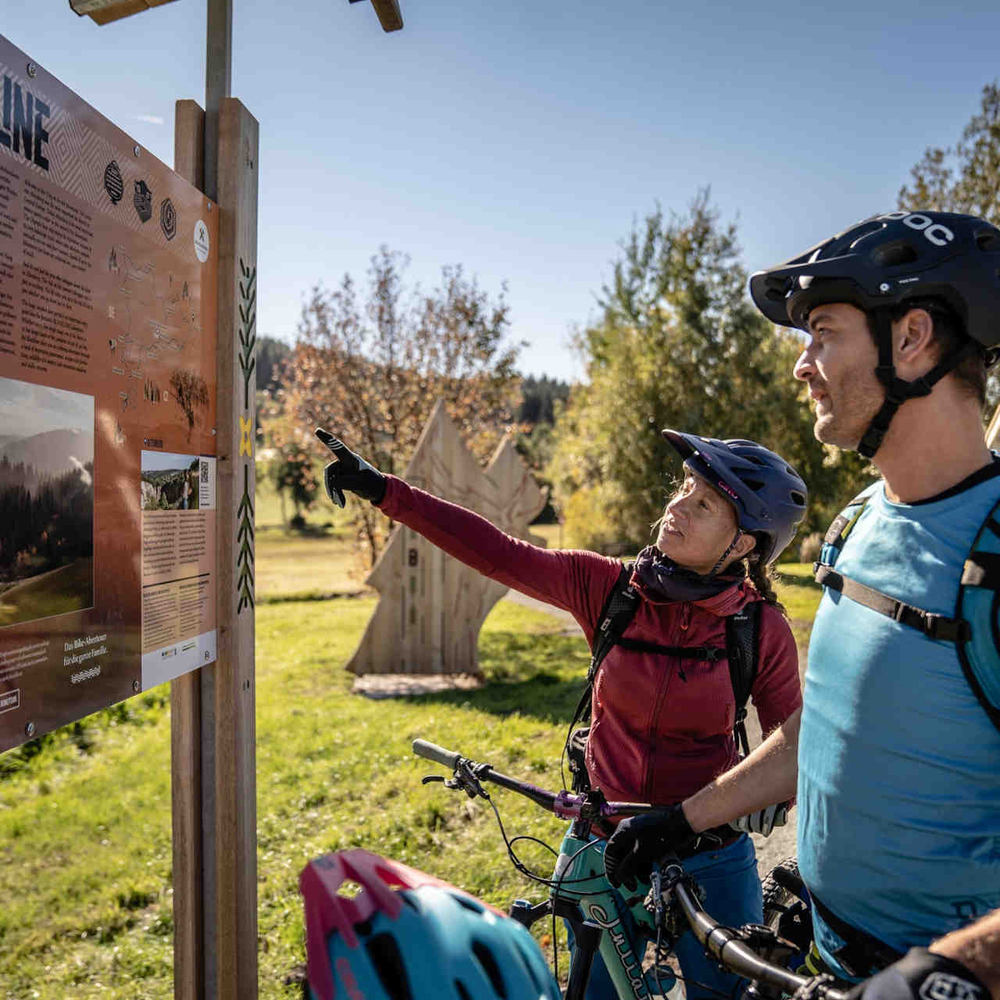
204,472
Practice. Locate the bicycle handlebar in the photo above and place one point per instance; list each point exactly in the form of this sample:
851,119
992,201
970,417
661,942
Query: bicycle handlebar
729,949
565,805
723,943
431,751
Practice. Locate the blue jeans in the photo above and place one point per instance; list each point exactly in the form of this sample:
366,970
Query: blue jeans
732,896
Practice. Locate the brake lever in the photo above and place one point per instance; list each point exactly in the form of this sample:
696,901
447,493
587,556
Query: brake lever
463,779
656,885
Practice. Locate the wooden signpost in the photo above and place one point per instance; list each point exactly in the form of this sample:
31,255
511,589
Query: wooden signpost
116,637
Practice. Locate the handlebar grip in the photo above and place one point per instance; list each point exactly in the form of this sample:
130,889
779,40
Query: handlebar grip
447,758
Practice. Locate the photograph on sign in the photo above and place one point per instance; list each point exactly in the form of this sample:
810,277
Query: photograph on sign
178,564
46,501
108,314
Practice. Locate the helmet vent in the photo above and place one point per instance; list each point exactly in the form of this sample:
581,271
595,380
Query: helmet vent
463,993
469,904
388,962
988,241
529,964
894,254
490,967
798,499
755,484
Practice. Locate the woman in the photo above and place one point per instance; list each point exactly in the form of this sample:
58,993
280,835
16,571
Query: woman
661,726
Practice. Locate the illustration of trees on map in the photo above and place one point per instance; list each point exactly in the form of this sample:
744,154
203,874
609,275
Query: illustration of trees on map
191,392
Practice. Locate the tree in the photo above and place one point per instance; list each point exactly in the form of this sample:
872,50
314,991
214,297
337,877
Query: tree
538,399
678,345
966,177
372,371
292,471
272,354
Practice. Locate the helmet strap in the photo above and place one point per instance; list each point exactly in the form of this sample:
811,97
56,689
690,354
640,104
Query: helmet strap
897,390
722,558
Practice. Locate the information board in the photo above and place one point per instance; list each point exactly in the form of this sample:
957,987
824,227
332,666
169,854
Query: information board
108,303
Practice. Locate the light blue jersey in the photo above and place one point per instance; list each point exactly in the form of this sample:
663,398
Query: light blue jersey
899,765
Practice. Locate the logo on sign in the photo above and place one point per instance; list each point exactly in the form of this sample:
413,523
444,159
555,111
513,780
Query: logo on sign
113,182
168,218
202,242
22,124
143,201
10,700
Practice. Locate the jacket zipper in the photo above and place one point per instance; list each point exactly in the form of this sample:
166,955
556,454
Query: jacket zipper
647,781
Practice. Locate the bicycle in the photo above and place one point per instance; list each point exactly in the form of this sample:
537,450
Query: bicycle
580,895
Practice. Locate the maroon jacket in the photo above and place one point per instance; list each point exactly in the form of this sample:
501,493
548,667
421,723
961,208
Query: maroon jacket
661,728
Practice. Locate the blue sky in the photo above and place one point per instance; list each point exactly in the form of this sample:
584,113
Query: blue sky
521,138
27,409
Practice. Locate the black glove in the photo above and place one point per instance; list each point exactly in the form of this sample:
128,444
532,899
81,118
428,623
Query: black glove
350,472
921,975
640,840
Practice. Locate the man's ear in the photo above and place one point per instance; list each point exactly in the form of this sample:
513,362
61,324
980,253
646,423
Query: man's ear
912,338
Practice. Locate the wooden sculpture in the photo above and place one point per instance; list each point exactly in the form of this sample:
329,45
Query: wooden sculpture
431,606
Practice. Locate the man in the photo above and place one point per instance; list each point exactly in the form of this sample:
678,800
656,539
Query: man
895,754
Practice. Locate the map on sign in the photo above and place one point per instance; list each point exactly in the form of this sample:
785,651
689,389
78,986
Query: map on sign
108,282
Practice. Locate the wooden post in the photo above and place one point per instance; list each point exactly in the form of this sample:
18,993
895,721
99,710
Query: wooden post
213,727
235,841
185,699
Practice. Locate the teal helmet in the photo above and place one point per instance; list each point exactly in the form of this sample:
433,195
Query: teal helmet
410,936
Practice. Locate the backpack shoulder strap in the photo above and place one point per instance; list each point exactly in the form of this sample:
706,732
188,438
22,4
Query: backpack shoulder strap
979,602
619,609
616,615
840,527
742,648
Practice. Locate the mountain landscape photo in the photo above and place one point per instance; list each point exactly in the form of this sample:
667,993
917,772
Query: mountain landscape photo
46,502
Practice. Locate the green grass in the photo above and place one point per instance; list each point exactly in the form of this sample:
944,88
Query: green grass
68,588
85,856
800,594
290,565
85,829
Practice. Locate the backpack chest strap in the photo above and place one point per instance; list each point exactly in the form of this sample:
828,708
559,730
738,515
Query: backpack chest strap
708,653
932,625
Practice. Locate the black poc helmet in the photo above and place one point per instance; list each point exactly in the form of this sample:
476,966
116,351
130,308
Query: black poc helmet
886,261
768,494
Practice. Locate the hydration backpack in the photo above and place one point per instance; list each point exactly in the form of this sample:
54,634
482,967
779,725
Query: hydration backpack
742,632
978,595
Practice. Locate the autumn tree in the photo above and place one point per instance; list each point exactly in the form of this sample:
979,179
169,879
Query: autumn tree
678,345
369,366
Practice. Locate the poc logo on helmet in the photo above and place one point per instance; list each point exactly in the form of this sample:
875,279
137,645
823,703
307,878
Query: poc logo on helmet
938,235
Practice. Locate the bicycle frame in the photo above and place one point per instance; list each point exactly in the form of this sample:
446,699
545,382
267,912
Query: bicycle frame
581,894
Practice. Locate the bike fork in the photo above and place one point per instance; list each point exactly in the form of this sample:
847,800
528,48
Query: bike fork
586,932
